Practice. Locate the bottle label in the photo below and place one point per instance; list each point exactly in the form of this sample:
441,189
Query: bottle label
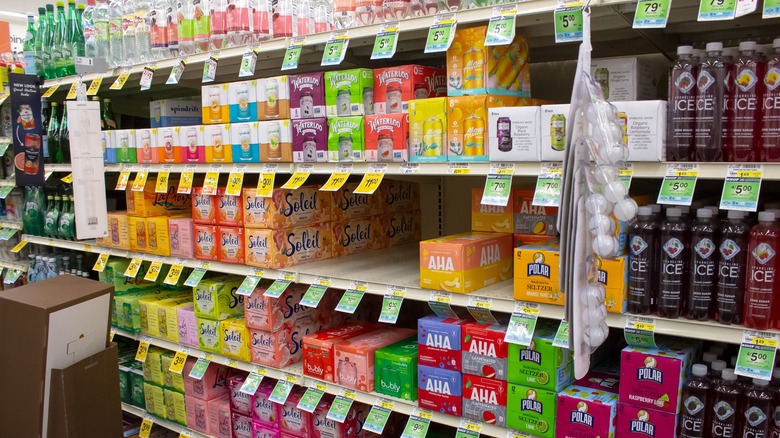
638,245
705,81
746,80
705,248
693,405
754,417
772,78
763,253
685,82
673,247
729,249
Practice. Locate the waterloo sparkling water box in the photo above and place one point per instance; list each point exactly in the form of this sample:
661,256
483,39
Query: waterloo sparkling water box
286,208
355,356
273,98
440,390
244,142
395,369
215,108
394,87
484,400
653,378
484,351
387,137
276,141
440,341
638,422
318,349
307,96
346,140
428,130
349,92
531,410
586,412
242,98
310,140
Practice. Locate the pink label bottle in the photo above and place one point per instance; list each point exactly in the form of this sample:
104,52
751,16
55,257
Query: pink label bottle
745,121
218,38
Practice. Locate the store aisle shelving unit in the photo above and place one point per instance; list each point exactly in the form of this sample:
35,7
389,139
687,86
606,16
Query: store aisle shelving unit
176,427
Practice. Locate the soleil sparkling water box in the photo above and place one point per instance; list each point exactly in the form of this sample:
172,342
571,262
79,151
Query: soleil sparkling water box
440,390
586,412
653,378
282,347
399,196
230,209
235,339
193,149
273,98
215,107
242,425
401,228
387,137
208,335
239,401
318,349
242,98
349,92
531,410
439,340
271,314
216,298
484,400
262,431
307,95
395,369
277,249
394,87
310,140
276,141
354,236
355,356
265,411
293,420
346,204
206,242
286,208
245,143
639,422
323,427
485,353
346,140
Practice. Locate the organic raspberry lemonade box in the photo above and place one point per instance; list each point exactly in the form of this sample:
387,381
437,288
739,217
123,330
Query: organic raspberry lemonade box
586,412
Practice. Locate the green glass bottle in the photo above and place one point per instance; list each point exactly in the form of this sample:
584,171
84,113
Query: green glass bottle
78,36
54,135
107,116
52,217
69,47
64,136
40,42
61,50
48,44
63,224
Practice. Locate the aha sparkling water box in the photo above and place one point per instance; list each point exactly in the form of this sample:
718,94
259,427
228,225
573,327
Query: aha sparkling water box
355,356
440,390
204,207
484,400
318,353
532,219
216,297
273,98
307,95
586,412
231,245
638,422
484,351
245,144
206,242
387,137
541,365
350,205
346,139
467,131
349,92
490,218
287,208
394,87
402,228
230,209
235,339
215,106
395,369
531,410
428,130
193,148
465,262
439,340
652,378
354,236
310,140
277,249
276,141
242,98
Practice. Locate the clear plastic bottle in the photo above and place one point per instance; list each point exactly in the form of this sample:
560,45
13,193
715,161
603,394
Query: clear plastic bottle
239,31
745,120
202,17
218,15
186,26
731,268
283,15
100,19
143,30
396,9
173,28
130,54
674,255
681,118
159,24
703,265
725,412
368,12
344,14
761,273
707,358
716,370
305,17
115,52
709,105
695,398
323,16
90,33
770,123
642,284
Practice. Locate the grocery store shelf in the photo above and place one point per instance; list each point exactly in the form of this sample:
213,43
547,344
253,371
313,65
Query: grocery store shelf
19,266
138,412
62,167
401,406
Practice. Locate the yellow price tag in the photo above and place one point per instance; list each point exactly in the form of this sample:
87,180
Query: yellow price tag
68,179
146,428
459,168
185,183
140,181
210,183
235,181
111,335
265,185
530,310
100,263
177,364
94,86
336,180
74,88
173,275
120,81
481,304
232,363
291,379
387,405
473,427
19,246
133,267
87,248
350,394
321,386
296,180
51,90
154,271
121,182
370,183
650,327
185,434
143,350
161,186
442,299
688,173
750,174
425,415
765,342
260,371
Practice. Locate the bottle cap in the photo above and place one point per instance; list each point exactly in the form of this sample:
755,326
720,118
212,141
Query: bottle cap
760,382
673,212
60,4
709,357
714,47
685,210
644,211
718,365
655,207
728,374
685,50
41,11
747,45
106,100
734,214
50,7
704,213
766,216
699,369
715,211
730,51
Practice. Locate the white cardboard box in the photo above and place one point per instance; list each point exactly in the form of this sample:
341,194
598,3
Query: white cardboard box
524,136
645,129
625,79
553,130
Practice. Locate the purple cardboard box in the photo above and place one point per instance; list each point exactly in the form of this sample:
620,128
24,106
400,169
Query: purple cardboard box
310,140
439,340
440,390
307,95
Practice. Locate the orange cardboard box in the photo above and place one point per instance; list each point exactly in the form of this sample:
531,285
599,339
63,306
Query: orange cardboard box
278,249
287,208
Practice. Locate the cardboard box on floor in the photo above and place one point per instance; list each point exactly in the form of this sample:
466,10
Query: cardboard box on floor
56,324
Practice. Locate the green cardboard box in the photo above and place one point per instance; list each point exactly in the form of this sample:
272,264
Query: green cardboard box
217,298
395,369
349,92
208,335
541,365
531,410
346,139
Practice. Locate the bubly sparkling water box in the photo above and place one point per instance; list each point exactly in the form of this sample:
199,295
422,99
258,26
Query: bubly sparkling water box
484,351
318,354
265,411
295,421
484,400
355,356
310,140
439,340
652,378
440,390
395,369
637,422
307,95
586,412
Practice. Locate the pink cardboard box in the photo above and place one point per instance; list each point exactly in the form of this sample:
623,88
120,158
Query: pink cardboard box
242,425
220,422
262,431
239,402
386,137
636,422
230,209
188,326
439,340
318,349
193,150
323,427
585,412
206,242
270,314
394,87
355,356
204,207
180,232
281,347
295,421
652,378
211,386
265,411
197,414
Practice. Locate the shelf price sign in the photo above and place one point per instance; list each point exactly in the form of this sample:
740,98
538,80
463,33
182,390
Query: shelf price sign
154,270
316,291
352,297
299,177
501,27
124,178
716,10
337,178
439,302
185,183
119,82
378,415
468,429
100,263
177,364
372,179
771,9
211,180
146,427
756,357
340,407
417,426
174,273
548,185
195,277
282,389
200,367
562,335
498,184
651,14
251,384
386,41
568,23
248,63
311,398
176,72
441,33
479,308
248,285
94,86
235,180
147,75
640,331
742,186
265,183
522,323
293,53
74,88
210,68
335,49
391,304
133,267
679,184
